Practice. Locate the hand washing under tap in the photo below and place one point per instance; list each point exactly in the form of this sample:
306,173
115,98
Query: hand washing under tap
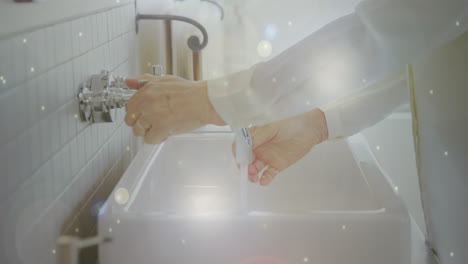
244,151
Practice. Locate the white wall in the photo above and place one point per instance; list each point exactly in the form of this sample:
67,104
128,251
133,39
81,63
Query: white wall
49,159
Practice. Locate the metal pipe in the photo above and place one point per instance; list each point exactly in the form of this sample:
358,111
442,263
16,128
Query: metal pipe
193,41
197,65
168,37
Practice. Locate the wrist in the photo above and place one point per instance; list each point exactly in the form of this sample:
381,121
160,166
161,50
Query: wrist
319,124
210,116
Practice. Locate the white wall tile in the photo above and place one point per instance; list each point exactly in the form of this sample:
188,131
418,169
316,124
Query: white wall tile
54,130
102,28
74,157
88,142
36,148
77,33
94,30
3,164
19,60
59,181
86,41
42,100
6,62
50,47
36,52
110,25
63,40
51,91
23,159
11,169
46,146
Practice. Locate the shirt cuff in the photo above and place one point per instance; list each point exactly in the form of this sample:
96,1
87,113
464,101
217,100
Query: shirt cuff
332,114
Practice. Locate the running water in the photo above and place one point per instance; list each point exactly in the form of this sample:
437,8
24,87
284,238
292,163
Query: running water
243,186
244,156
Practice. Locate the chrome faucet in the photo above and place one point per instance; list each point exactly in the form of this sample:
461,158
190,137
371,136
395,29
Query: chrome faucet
103,92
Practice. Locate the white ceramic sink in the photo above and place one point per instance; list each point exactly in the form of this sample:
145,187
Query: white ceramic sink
334,206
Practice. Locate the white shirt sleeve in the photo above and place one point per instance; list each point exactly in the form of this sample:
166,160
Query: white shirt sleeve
359,49
366,107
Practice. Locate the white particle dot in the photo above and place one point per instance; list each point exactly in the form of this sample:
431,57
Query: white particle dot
265,226
273,80
42,108
183,241
53,251
25,40
117,1
148,64
264,48
2,78
226,83
80,34
110,229
32,69
431,92
343,227
446,153
4,81
127,148
293,79
180,162
364,80
121,196
118,221
77,230
76,116
307,103
249,92
457,23
306,259
395,188
377,147
290,23
452,254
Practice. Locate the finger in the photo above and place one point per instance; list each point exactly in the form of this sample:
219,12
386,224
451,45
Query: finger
155,136
130,119
144,94
138,130
253,174
268,176
143,123
254,169
132,84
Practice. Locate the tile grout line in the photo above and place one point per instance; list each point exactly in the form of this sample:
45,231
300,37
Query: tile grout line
60,21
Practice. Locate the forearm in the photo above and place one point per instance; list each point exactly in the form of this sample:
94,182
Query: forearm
339,59
364,108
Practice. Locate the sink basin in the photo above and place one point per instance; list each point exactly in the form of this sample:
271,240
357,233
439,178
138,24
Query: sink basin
183,206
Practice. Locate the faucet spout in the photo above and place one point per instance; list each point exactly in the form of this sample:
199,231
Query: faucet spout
244,146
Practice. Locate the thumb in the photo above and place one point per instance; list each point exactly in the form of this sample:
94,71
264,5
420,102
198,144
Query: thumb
132,84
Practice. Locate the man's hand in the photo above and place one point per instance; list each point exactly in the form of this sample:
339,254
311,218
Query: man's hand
168,105
279,145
